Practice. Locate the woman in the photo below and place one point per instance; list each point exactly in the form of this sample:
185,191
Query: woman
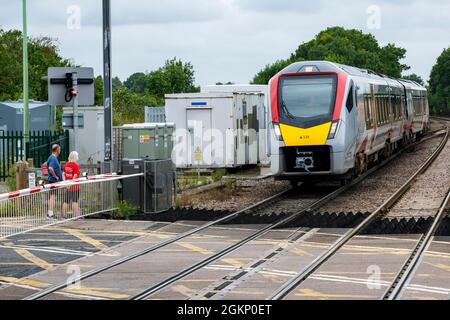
71,171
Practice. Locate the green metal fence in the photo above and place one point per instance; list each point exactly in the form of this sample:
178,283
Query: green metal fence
39,148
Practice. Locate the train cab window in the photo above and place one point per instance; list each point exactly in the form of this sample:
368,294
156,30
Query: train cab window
350,100
307,98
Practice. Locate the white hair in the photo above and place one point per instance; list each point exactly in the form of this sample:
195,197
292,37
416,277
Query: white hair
73,157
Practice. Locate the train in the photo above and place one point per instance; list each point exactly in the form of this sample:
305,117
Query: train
333,122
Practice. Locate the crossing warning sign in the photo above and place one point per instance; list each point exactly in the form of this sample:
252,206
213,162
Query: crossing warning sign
198,155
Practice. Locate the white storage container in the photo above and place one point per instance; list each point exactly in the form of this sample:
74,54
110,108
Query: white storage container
216,130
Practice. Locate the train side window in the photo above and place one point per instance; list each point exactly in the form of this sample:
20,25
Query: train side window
386,106
379,111
350,100
368,112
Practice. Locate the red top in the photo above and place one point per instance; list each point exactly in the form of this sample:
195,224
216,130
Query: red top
70,170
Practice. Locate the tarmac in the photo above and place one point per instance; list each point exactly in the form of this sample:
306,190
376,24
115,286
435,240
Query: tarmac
362,270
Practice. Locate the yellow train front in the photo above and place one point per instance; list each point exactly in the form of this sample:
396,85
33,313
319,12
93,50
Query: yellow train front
331,121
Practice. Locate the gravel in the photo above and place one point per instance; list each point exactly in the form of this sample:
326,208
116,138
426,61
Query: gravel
421,201
427,194
376,189
244,193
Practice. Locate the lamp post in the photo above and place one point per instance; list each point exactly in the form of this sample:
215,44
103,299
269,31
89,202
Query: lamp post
26,109
107,79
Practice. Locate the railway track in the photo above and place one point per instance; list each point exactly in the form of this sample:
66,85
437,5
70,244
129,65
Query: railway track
149,292
407,270
397,287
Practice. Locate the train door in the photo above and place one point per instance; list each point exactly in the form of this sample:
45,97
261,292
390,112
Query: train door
352,120
246,130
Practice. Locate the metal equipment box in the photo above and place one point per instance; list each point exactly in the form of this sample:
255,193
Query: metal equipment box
150,141
92,136
154,191
42,116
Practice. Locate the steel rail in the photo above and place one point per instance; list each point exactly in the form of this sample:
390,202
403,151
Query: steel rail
409,269
89,274
170,280
43,293
288,287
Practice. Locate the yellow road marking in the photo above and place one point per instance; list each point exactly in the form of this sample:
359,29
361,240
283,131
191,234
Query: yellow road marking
183,290
93,242
439,266
97,293
21,264
272,277
438,255
195,248
352,273
93,292
308,293
426,298
301,253
62,240
24,282
234,262
33,259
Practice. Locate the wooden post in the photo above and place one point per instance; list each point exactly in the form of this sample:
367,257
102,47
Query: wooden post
21,175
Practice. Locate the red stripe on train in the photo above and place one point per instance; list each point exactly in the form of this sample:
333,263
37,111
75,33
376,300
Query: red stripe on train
340,94
274,85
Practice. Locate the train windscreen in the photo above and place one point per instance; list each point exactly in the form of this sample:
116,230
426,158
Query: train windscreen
307,97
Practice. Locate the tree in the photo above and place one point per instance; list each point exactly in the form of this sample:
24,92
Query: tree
43,53
416,78
98,93
128,107
116,83
440,84
175,77
351,47
269,71
137,82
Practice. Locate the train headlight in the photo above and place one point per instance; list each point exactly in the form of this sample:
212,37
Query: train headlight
333,130
277,130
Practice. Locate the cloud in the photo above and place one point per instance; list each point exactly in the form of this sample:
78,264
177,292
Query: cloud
228,40
298,6
124,12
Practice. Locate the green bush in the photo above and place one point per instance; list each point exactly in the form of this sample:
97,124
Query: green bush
125,210
219,174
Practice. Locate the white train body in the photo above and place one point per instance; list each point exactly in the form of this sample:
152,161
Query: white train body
332,121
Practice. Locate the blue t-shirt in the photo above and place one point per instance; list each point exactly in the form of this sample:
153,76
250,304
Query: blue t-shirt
53,162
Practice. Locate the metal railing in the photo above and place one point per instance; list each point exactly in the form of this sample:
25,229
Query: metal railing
155,114
38,149
28,210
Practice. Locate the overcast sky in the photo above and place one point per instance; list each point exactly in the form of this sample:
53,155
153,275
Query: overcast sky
228,40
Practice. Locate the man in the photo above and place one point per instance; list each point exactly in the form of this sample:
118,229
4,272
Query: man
54,176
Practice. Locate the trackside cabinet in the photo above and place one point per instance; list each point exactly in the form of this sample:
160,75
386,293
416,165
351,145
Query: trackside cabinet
151,141
153,192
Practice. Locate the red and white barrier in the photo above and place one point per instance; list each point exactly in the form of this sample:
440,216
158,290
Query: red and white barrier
35,208
63,184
